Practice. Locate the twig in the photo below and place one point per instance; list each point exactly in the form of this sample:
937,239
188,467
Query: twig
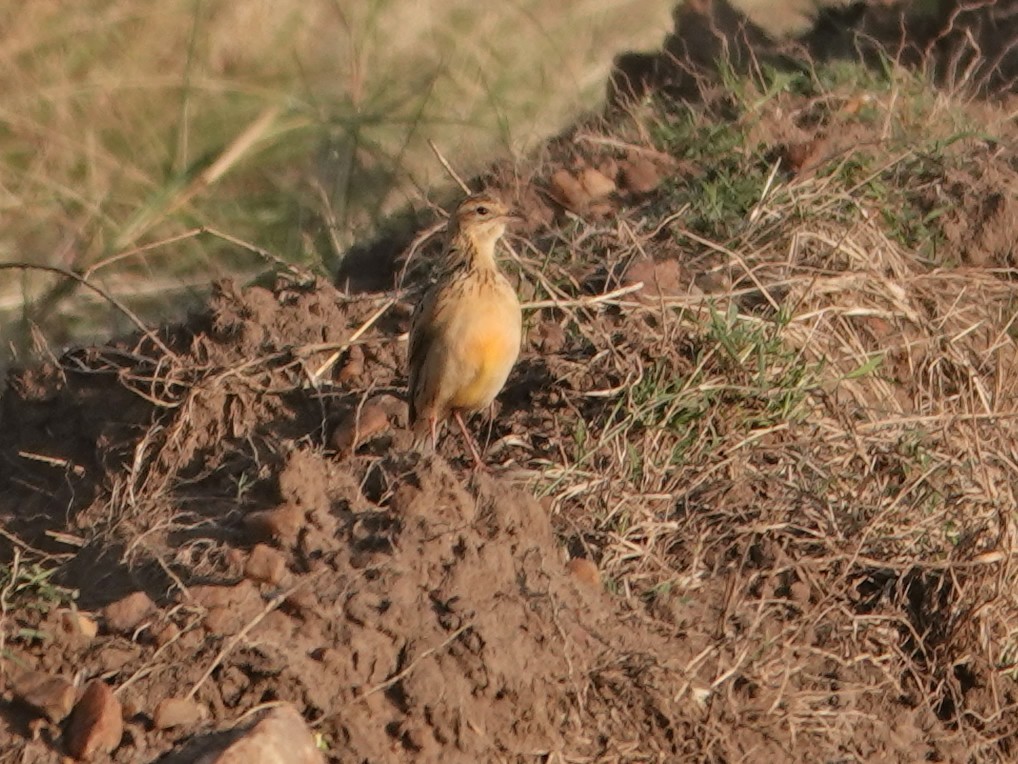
98,290
413,664
419,241
53,461
448,167
352,339
253,248
189,234
272,604
584,301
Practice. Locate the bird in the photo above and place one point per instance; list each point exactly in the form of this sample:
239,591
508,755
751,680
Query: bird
466,333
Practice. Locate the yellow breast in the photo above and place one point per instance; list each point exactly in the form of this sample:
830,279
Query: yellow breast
489,356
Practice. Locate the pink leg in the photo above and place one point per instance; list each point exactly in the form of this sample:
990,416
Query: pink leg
478,462
434,433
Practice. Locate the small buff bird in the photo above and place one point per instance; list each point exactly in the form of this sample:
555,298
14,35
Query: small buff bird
465,335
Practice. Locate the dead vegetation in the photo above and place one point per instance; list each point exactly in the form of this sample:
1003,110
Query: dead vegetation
768,389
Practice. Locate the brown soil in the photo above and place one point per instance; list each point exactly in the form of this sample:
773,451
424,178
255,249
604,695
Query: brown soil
421,615
784,560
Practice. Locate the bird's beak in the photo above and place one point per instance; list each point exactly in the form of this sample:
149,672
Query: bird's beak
512,217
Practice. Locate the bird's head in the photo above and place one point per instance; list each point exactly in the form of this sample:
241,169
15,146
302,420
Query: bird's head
481,218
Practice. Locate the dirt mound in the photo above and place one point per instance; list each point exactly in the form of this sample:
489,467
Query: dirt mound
408,610
400,610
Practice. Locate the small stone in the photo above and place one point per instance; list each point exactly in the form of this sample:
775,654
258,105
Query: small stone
597,185
235,558
303,602
221,622
52,696
640,176
265,564
230,608
165,633
609,167
360,425
177,712
96,724
190,640
280,737
584,571
125,614
79,626
113,657
283,522
353,367
211,596
551,337
130,706
663,278
568,191
599,210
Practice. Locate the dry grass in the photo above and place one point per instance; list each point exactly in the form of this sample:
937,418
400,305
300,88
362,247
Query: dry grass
291,125
831,434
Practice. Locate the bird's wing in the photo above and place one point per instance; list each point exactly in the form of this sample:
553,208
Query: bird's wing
423,330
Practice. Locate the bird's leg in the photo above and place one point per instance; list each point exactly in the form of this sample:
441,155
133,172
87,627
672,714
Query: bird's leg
478,462
433,420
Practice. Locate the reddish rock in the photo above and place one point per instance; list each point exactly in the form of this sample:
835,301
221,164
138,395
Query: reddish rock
114,657
211,596
177,712
230,608
280,737
283,522
663,278
551,337
303,602
584,571
640,176
597,185
265,564
165,633
568,191
96,724
52,696
79,627
125,614
353,368
235,558
360,425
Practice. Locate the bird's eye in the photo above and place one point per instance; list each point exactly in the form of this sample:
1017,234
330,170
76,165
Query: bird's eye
482,211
